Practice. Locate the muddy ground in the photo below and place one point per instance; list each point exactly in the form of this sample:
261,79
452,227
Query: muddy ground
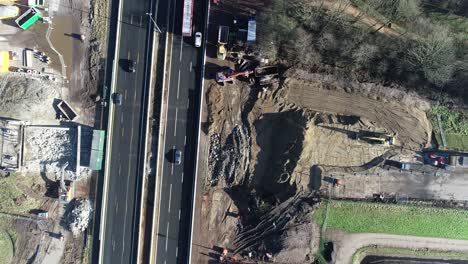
267,142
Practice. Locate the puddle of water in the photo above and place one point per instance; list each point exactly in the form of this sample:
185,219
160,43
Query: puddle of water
65,38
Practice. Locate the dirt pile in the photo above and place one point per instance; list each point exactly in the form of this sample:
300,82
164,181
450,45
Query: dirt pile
29,99
409,124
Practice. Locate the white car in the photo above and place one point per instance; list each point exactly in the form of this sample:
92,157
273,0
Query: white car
198,39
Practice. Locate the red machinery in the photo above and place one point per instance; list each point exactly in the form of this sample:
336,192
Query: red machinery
229,75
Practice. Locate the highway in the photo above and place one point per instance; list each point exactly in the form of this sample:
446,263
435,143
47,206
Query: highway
120,233
175,198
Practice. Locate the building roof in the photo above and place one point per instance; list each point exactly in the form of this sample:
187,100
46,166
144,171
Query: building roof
4,61
7,12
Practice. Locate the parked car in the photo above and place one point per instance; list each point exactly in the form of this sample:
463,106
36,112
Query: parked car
198,39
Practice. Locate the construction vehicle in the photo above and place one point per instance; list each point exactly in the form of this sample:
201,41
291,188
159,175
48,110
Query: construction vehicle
229,75
28,18
266,75
65,187
375,137
223,36
459,161
66,111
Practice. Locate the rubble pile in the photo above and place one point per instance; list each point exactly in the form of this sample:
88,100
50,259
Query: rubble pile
231,159
79,217
49,149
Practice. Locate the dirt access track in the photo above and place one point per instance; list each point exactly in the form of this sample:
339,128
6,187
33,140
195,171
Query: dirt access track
409,124
347,244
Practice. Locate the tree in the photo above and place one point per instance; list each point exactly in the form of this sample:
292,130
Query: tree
397,9
434,55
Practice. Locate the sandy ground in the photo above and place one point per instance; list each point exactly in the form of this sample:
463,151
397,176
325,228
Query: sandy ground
346,244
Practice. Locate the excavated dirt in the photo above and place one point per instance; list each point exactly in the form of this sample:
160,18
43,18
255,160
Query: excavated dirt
408,123
271,140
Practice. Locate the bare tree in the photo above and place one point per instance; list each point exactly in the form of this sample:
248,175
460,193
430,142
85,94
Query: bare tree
434,54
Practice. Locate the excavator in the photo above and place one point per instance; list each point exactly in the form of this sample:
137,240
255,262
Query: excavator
375,138
64,192
229,75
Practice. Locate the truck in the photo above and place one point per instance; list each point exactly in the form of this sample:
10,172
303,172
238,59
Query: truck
223,36
459,161
66,111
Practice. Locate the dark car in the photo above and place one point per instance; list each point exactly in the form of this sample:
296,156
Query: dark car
177,156
118,98
131,66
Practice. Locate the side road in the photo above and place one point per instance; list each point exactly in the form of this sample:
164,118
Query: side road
347,244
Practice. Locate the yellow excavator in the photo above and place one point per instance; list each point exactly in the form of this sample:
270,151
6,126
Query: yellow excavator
375,137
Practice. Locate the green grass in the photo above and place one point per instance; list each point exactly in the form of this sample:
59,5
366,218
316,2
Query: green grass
457,24
357,217
389,251
9,191
454,125
6,249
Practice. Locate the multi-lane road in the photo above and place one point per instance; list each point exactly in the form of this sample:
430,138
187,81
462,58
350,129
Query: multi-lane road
127,131
122,187
180,133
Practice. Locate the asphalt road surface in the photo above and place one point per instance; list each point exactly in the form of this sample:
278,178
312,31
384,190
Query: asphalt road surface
180,133
120,234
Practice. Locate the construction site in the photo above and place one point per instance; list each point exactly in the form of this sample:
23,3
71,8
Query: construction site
276,141
50,63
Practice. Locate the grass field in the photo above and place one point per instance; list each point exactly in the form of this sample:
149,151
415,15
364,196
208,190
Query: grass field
355,217
6,248
454,142
9,191
388,251
454,126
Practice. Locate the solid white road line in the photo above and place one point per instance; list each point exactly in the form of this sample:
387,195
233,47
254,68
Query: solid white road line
178,85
